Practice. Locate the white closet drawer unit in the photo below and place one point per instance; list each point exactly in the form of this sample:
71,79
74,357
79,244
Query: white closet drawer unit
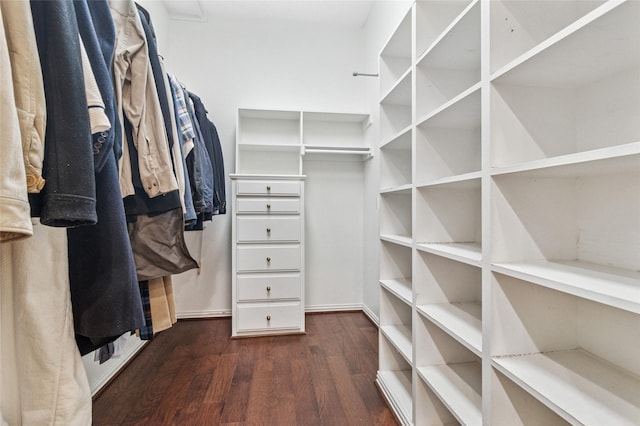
268,258
268,205
269,316
255,287
266,229
267,187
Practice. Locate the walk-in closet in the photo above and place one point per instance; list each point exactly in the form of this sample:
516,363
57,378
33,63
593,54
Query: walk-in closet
320,212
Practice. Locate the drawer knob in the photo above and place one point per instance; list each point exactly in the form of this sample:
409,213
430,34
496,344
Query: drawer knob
268,187
268,206
268,288
268,229
268,259
268,317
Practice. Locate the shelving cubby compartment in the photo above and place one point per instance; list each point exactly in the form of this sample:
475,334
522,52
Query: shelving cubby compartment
573,228
448,221
518,26
572,95
577,357
448,143
335,136
395,216
451,65
272,135
395,162
432,19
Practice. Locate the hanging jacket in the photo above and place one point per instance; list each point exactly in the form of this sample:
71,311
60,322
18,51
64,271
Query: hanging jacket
104,286
68,197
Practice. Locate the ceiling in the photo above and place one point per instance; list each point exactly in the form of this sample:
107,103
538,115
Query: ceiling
342,13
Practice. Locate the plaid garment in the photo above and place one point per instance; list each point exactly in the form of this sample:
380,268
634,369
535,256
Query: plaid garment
146,332
182,113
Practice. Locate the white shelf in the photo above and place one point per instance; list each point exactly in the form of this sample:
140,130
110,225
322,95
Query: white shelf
467,180
396,387
400,337
400,93
615,287
569,59
401,140
284,147
462,321
469,253
400,189
459,387
400,287
461,112
397,239
577,386
616,159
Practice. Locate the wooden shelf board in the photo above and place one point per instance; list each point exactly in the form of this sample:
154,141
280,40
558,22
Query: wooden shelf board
462,321
396,387
400,337
617,159
469,253
615,287
400,287
397,239
577,386
459,387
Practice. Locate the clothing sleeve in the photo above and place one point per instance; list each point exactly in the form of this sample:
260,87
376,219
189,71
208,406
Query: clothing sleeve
15,220
140,102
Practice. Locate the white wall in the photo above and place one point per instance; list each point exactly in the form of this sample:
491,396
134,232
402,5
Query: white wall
384,17
233,63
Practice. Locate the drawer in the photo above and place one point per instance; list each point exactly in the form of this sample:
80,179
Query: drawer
268,258
268,287
267,229
268,205
269,316
265,187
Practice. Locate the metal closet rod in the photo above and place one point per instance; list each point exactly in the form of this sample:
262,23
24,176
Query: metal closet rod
364,74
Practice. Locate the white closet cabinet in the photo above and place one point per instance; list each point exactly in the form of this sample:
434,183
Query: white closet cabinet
268,210
510,213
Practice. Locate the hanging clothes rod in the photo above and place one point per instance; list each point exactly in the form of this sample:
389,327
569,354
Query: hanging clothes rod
364,74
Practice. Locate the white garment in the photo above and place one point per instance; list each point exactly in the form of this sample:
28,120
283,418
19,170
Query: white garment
42,378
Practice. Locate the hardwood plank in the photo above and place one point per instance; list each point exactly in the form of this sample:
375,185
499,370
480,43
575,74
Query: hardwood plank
195,374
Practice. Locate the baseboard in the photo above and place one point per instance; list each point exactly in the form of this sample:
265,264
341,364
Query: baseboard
203,314
371,315
333,308
114,366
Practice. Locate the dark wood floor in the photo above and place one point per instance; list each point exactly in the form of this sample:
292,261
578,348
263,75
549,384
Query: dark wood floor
193,374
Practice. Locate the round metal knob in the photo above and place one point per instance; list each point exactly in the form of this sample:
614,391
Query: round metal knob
268,288
268,229
268,187
268,206
268,259
268,317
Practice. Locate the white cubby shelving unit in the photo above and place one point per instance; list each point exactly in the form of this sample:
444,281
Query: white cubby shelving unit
509,212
